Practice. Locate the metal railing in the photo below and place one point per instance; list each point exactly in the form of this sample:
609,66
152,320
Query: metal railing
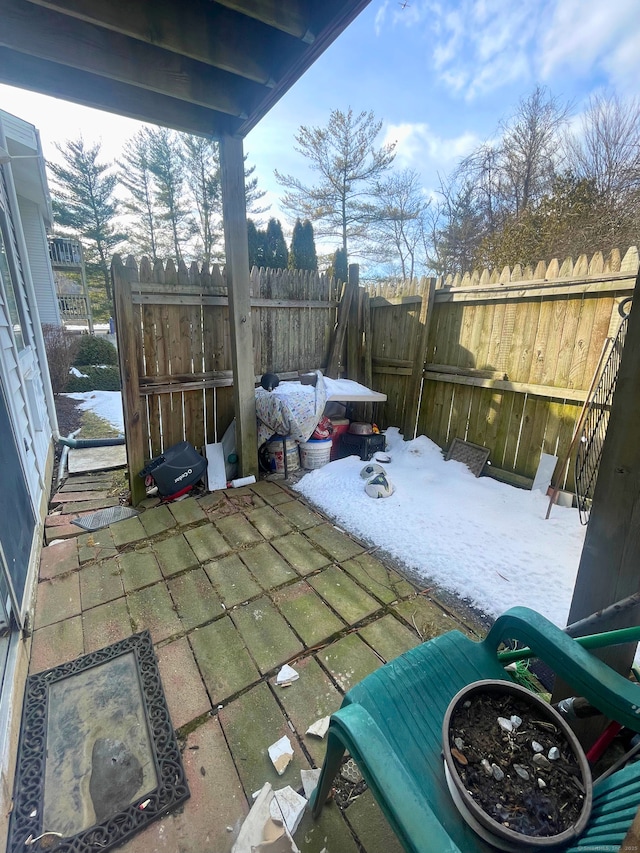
63,252
73,307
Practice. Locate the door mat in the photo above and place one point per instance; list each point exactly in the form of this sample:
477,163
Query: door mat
98,758
105,517
474,456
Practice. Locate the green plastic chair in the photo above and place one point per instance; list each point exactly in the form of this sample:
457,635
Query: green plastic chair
391,723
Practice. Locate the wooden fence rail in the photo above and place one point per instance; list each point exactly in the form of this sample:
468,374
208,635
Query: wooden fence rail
175,354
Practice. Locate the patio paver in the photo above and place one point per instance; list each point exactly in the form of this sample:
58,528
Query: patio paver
56,644
371,826
100,583
157,520
98,545
106,624
299,515
267,566
426,617
308,699
57,599
307,613
139,568
195,599
349,660
381,581
268,522
152,608
223,659
128,531
337,544
343,594
238,531
232,580
251,723
59,559
206,543
266,634
174,555
185,693
389,637
271,492
329,833
187,511
302,555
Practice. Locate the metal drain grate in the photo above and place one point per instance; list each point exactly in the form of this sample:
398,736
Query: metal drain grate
105,517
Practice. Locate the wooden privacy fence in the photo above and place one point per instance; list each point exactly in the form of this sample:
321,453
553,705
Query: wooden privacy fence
174,347
508,357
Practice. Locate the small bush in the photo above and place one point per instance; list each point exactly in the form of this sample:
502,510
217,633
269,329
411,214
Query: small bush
97,379
93,350
61,348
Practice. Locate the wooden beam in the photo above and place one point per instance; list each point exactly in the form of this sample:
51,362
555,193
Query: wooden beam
290,16
154,297
608,570
71,42
571,394
201,30
536,289
465,371
385,301
48,78
239,283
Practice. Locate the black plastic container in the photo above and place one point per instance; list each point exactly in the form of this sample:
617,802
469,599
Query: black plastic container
179,466
363,446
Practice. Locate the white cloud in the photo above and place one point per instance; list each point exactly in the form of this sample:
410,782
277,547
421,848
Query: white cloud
381,14
481,45
418,147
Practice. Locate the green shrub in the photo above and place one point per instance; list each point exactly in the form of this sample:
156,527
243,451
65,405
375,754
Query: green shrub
94,350
97,379
60,346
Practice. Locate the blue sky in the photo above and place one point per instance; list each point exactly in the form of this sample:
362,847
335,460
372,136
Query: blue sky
440,74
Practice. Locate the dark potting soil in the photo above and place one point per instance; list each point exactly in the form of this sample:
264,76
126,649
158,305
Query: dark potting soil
546,803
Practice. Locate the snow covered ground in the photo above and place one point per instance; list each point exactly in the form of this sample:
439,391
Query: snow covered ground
483,540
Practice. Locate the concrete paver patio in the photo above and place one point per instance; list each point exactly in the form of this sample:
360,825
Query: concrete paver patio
232,585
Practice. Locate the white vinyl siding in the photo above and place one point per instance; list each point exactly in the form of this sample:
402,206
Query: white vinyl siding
41,272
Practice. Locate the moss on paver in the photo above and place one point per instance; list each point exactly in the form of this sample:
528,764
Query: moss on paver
232,580
106,624
271,492
302,555
98,545
307,613
308,699
382,582
328,833
206,543
183,686
268,522
389,637
59,559
237,531
194,598
266,634
267,566
251,723
337,544
344,595
139,568
371,826
157,520
299,515
426,617
100,583
56,644
223,659
187,511
174,555
128,531
349,660
152,608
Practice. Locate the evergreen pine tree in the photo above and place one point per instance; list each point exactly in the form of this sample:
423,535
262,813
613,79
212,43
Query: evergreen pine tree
297,247
276,247
257,239
135,175
340,266
310,255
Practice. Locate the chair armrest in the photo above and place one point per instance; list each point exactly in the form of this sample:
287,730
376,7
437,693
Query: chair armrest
614,695
400,799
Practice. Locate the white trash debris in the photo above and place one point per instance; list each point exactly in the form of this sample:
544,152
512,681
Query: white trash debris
260,832
289,806
281,753
310,780
319,728
287,676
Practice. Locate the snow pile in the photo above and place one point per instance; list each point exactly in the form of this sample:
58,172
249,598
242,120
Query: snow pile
105,404
483,540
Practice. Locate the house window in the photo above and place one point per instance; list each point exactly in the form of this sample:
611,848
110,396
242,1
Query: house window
8,285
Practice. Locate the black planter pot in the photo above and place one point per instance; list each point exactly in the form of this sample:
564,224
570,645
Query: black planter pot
486,827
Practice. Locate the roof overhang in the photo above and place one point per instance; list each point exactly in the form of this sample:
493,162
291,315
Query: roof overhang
203,67
20,146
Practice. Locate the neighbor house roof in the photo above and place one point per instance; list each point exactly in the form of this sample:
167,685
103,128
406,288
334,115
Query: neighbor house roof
199,66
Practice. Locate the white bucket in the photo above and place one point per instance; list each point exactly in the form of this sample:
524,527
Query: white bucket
315,454
275,453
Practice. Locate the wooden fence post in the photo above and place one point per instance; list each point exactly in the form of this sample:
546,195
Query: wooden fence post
239,285
413,391
128,349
